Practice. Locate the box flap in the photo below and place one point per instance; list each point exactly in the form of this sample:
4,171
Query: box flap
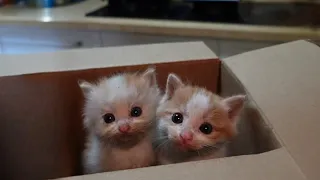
284,82
103,57
262,167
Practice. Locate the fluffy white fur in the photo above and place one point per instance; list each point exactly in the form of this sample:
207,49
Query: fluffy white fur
101,158
108,149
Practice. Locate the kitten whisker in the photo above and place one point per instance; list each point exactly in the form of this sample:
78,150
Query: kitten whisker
198,153
161,145
162,137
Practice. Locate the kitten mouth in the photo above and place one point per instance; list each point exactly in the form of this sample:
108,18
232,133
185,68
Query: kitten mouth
183,145
125,141
124,135
127,136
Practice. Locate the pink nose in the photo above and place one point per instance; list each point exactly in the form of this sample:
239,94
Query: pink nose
124,128
186,136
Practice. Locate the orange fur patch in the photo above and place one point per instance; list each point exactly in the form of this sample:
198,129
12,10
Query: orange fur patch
216,114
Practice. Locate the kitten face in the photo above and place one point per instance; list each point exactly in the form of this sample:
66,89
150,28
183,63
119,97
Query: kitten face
122,106
193,118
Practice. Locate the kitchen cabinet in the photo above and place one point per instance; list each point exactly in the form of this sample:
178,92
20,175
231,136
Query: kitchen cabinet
18,40
32,40
222,47
123,38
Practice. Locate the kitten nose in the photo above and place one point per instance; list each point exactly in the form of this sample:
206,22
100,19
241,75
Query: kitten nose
124,128
186,136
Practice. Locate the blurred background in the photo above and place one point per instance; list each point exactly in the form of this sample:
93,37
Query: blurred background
228,27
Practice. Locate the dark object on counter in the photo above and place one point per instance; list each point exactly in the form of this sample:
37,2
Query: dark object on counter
139,8
288,14
223,11
211,11
216,11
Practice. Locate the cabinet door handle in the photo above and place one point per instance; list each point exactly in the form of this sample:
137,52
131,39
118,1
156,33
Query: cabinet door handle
78,44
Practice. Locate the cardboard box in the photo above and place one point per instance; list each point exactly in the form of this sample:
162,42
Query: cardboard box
41,130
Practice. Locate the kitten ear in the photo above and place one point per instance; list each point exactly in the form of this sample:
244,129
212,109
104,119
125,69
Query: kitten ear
173,83
150,75
234,105
85,86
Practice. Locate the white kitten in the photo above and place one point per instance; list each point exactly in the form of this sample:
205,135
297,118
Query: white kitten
119,116
194,123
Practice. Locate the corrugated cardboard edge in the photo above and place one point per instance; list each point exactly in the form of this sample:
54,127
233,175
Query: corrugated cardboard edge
313,42
274,165
78,59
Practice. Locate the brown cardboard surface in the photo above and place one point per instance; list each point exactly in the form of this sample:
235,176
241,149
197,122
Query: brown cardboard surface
42,112
274,165
41,134
287,100
284,83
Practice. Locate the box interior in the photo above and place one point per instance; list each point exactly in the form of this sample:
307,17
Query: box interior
254,134
41,132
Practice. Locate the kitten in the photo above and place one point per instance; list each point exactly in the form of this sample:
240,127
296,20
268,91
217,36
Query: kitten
193,123
119,115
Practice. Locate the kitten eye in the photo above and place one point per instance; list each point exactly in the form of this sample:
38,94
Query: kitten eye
206,128
136,112
177,118
108,118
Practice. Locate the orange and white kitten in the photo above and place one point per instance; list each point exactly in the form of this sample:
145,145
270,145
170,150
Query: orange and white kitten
193,123
119,115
